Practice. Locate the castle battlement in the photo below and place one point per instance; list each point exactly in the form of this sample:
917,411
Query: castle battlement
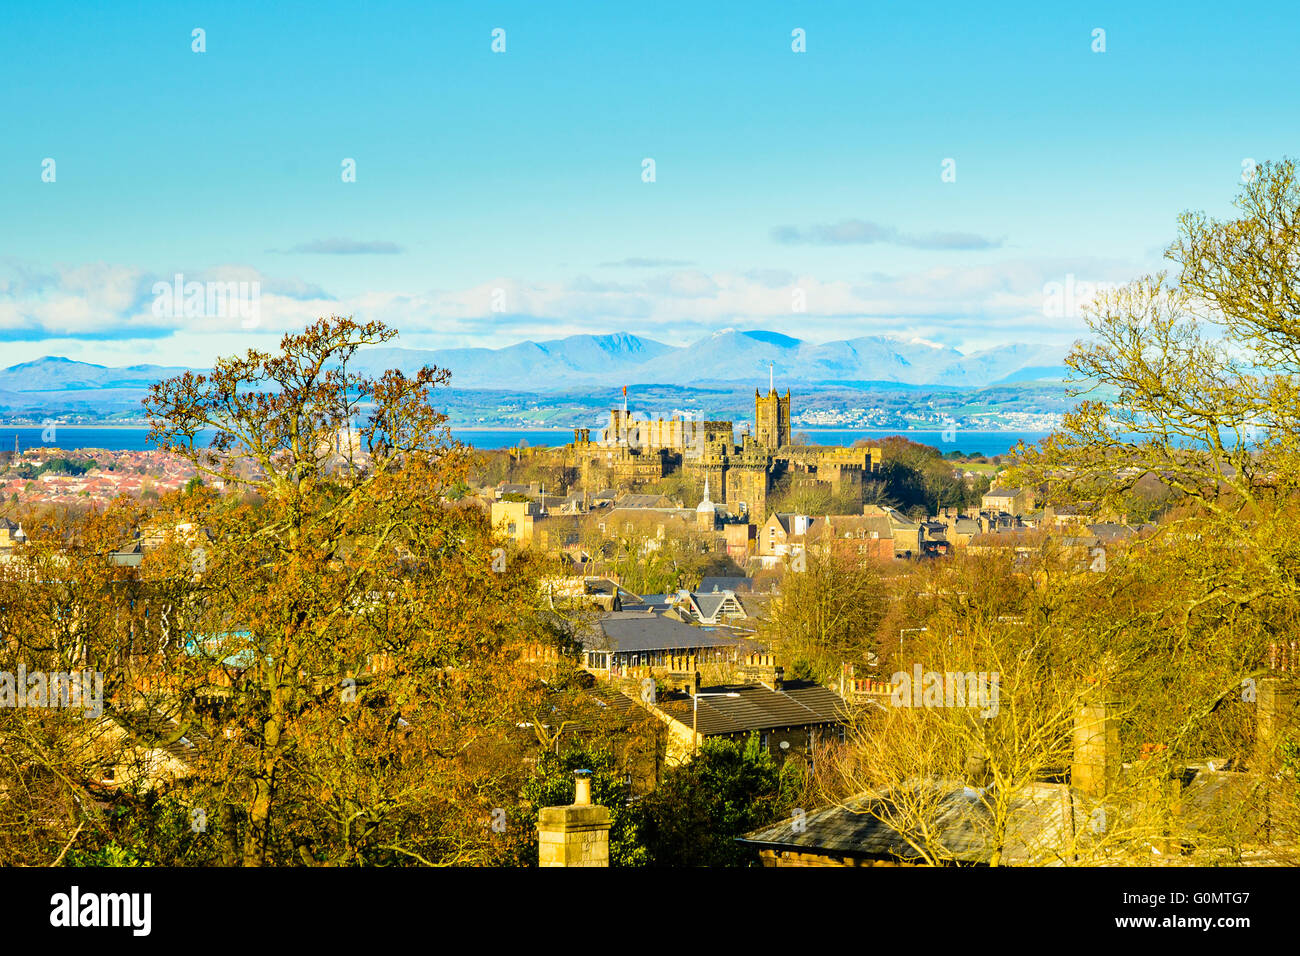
634,450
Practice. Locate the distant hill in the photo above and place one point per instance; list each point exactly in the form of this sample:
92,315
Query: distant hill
578,359
728,356
725,359
54,374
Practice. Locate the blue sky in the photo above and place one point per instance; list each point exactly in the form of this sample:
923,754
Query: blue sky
514,179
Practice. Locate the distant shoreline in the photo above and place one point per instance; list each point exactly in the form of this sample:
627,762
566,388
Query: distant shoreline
119,437
58,425
569,428
146,427
508,428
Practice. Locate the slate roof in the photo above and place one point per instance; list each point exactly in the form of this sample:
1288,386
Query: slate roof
645,501
879,524
660,602
156,732
709,604
623,631
897,520
786,519
715,583
755,604
1214,798
797,704
1109,531
1044,820
131,556
1003,538
855,526
607,698
619,513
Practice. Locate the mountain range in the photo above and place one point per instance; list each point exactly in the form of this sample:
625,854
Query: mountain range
726,358
52,373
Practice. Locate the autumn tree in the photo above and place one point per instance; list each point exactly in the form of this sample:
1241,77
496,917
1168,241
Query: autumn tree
368,633
1045,635
1191,378
65,607
826,613
728,789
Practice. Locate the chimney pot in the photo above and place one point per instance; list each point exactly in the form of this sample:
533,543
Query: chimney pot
582,788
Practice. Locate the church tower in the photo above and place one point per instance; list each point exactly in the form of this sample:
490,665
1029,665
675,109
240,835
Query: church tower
706,514
772,416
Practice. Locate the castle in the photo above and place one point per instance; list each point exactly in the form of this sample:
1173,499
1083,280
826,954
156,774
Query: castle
634,451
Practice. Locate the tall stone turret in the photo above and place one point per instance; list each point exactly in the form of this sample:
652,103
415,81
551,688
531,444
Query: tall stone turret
772,419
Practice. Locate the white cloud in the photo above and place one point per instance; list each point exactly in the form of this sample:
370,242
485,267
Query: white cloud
92,309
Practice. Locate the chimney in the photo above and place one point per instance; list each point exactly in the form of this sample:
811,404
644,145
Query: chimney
687,681
1275,718
1096,762
761,669
977,768
576,835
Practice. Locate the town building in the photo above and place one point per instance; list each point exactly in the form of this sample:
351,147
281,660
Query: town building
1014,501
645,643
790,717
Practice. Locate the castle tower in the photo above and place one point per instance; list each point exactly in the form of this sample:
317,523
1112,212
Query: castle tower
772,418
616,433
